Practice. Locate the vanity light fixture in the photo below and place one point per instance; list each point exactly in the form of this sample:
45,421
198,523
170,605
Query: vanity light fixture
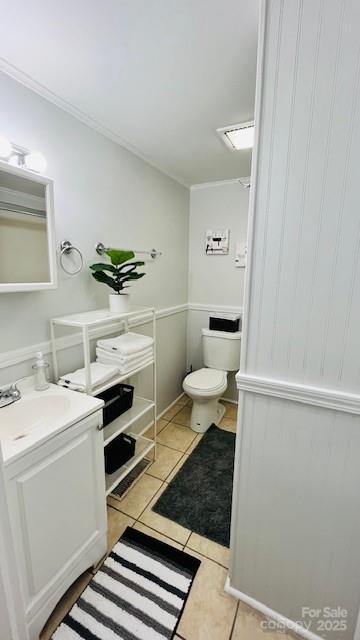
35,161
238,136
21,157
5,148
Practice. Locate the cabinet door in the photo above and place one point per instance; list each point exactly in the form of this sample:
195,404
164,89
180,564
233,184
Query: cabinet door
61,507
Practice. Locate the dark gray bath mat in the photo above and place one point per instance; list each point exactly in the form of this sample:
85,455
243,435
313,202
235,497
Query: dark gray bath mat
199,497
139,592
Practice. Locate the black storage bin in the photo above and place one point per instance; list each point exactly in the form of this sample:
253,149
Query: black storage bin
119,451
226,322
118,399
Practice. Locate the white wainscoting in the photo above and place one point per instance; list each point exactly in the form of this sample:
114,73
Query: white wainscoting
19,356
295,524
171,354
17,362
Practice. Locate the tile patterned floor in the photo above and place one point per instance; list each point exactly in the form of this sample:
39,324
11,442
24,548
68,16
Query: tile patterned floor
210,613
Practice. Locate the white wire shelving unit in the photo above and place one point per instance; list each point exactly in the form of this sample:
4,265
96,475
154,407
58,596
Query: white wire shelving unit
91,324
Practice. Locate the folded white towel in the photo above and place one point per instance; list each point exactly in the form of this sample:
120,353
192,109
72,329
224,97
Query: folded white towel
121,360
128,367
127,343
99,373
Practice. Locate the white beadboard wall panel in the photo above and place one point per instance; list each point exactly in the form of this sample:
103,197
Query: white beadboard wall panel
306,267
296,526
297,541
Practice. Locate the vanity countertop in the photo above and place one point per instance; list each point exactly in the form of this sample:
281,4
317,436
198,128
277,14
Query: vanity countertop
39,416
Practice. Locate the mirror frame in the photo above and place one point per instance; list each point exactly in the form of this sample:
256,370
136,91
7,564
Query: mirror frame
50,220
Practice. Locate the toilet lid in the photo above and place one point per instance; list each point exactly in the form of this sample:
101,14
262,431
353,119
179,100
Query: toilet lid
206,379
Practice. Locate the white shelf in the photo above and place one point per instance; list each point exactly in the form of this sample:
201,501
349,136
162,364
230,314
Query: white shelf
99,317
120,378
90,323
140,407
143,447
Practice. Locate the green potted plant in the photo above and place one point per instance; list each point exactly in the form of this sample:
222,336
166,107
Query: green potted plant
117,275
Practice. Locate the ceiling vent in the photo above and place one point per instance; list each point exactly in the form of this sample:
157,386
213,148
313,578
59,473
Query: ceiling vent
238,136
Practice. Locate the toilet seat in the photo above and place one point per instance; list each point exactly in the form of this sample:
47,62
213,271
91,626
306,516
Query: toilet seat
206,381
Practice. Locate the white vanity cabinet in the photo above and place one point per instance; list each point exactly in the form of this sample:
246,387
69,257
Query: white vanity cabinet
56,498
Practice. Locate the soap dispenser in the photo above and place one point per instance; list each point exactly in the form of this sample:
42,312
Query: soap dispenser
41,372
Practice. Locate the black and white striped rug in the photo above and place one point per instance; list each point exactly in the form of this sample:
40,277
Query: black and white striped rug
139,593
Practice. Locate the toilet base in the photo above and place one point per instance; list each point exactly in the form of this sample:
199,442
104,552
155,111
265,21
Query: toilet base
204,414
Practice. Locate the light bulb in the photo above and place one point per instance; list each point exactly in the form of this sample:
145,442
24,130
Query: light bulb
35,161
5,147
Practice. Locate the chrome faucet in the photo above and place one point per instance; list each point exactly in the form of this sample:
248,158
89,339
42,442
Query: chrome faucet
9,394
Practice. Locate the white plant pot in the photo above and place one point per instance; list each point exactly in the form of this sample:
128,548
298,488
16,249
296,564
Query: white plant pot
119,303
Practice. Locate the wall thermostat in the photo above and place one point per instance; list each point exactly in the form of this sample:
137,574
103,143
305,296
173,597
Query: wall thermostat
217,242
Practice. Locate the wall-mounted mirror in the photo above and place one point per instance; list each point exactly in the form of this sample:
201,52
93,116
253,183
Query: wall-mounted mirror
27,243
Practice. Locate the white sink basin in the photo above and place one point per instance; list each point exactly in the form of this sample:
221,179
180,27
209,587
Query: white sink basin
39,415
31,412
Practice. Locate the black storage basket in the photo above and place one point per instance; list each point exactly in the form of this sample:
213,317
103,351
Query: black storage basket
118,399
119,451
224,324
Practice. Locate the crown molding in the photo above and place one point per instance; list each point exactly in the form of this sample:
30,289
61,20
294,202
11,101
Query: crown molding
89,121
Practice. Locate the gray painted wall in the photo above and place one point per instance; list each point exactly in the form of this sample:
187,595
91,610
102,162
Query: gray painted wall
102,193
214,280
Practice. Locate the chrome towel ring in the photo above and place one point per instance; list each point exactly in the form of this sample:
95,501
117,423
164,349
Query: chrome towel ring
66,247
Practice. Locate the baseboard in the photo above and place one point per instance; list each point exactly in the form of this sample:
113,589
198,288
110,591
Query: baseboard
170,405
290,625
228,400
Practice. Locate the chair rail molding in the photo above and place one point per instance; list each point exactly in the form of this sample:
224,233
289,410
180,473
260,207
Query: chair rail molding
306,394
18,356
214,308
24,354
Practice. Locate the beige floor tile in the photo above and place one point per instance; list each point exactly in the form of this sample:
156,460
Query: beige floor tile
183,417
155,534
138,497
230,409
209,548
177,468
228,424
209,611
166,460
64,605
176,437
163,525
194,443
117,523
170,413
161,424
248,626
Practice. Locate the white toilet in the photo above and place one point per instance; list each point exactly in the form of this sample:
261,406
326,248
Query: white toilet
221,353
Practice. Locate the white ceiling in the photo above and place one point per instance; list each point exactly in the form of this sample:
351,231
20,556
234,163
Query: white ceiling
159,75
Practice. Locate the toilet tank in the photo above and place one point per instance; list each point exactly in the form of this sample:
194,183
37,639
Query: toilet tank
221,349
